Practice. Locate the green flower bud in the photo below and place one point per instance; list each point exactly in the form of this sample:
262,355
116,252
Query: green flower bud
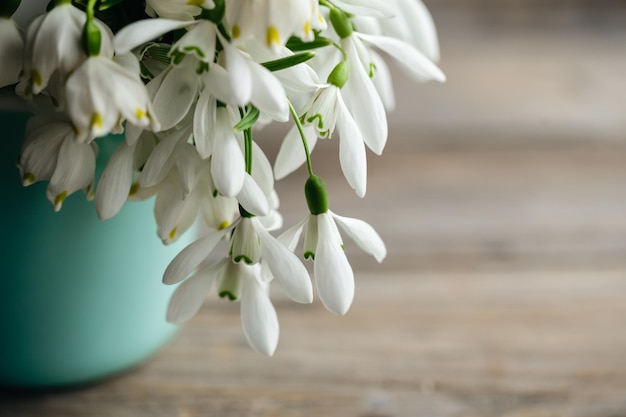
8,7
92,38
316,195
339,75
341,23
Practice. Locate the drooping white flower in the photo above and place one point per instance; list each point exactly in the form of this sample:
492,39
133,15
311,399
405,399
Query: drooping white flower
96,109
237,281
53,44
251,241
324,112
412,23
273,21
11,51
333,274
51,152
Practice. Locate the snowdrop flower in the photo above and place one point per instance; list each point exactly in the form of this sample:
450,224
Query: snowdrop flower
11,51
361,96
51,152
236,281
54,44
96,109
333,274
326,111
412,23
273,21
251,242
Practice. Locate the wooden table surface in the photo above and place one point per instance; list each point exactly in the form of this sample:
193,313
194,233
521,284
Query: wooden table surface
504,292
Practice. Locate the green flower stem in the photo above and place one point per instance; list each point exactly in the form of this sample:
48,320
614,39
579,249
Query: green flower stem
303,136
327,4
247,136
91,9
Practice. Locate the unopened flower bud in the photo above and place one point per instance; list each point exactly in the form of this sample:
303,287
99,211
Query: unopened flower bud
341,23
339,75
316,195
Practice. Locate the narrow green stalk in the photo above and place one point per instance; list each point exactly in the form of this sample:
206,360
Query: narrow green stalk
327,4
91,9
247,136
248,143
303,136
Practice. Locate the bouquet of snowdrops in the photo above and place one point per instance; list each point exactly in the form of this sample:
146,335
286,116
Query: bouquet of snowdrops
188,82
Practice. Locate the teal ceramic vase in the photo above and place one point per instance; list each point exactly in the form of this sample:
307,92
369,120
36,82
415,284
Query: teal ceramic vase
80,299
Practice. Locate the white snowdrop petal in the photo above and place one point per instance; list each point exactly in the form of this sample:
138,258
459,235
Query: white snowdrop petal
290,273
161,161
176,95
291,236
413,61
334,278
252,198
262,170
11,52
142,31
291,153
115,182
421,27
363,235
258,317
189,165
364,102
268,95
189,258
352,155
228,165
199,41
374,8
382,82
74,171
240,74
203,123
189,296
39,155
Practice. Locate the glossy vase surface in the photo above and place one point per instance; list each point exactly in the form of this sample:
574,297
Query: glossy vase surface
80,299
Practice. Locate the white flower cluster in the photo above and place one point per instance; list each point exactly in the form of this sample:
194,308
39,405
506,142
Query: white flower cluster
186,82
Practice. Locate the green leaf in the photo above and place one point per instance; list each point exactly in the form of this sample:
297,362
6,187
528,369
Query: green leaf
107,4
248,120
288,61
296,44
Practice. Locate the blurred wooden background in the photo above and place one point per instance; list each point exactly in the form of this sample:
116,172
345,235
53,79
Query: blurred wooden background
502,198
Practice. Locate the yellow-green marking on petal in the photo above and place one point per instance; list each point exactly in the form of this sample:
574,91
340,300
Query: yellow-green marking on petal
96,120
36,78
133,189
273,37
28,179
139,113
172,234
223,225
59,199
236,32
307,27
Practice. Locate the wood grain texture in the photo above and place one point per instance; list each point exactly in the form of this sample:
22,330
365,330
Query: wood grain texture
504,295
